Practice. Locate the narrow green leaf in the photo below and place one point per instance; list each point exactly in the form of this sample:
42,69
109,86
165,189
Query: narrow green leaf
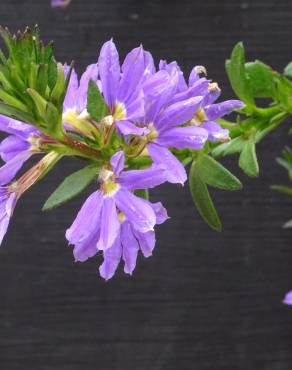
288,70
248,159
202,199
60,86
6,98
71,187
53,120
42,79
213,173
12,112
96,105
282,189
39,101
237,76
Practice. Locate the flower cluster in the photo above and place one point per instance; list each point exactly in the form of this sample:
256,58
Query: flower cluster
142,119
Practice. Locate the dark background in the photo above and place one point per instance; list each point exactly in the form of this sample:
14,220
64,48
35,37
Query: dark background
204,301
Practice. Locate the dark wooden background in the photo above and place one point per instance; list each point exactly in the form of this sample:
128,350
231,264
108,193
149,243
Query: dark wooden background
204,301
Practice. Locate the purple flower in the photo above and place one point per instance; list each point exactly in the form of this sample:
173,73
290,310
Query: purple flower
113,209
23,141
60,3
288,299
207,114
75,114
128,243
8,200
164,118
122,86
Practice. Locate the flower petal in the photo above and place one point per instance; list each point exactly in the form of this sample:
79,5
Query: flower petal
84,225
288,299
109,72
176,172
143,179
130,247
129,128
109,224
133,70
86,248
91,73
118,162
71,94
111,260
14,127
216,111
195,74
136,209
12,146
10,168
160,212
135,108
199,88
146,242
178,113
7,205
169,67
215,131
192,137
159,90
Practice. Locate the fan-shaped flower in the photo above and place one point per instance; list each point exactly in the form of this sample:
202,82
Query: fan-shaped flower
112,205
23,141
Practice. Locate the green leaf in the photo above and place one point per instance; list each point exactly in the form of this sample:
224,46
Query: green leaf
282,189
60,86
96,105
248,160
71,187
143,193
202,199
288,70
12,112
233,146
213,173
260,79
236,72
